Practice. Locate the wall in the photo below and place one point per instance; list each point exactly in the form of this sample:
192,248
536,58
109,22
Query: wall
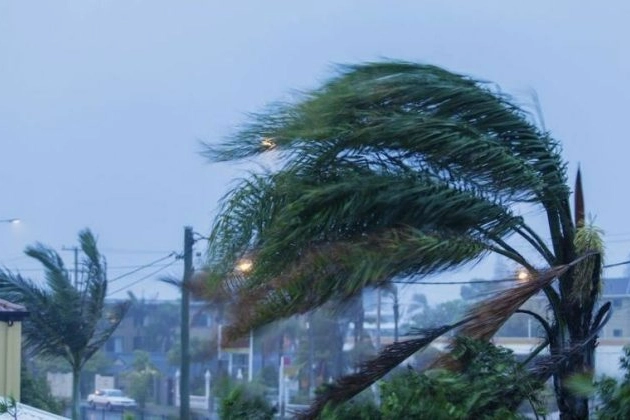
10,358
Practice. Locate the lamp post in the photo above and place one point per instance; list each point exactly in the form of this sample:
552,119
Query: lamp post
184,384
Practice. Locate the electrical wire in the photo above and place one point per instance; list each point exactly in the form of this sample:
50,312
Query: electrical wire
142,267
505,280
142,278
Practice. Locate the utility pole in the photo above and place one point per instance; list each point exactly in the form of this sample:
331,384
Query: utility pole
76,262
184,382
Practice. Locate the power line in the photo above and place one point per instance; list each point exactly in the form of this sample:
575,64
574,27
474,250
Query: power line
617,264
506,280
109,268
142,278
142,267
132,251
455,282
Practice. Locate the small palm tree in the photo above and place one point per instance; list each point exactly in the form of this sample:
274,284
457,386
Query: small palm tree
66,321
397,171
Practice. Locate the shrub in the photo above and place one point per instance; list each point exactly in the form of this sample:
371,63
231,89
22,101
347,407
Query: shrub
245,402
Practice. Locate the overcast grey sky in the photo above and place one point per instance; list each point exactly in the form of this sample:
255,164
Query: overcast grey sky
103,103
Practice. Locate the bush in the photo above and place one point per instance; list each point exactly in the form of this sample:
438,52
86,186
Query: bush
614,396
490,385
361,407
245,402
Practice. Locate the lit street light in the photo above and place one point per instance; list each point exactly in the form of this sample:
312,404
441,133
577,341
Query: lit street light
12,221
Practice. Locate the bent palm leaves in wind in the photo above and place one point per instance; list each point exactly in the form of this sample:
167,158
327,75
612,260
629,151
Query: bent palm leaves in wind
396,170
66,320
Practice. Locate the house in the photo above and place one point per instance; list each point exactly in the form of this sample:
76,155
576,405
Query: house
11,316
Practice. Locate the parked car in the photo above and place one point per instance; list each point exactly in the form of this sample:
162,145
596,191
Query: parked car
110,399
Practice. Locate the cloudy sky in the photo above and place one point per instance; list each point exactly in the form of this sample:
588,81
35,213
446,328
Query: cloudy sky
103,103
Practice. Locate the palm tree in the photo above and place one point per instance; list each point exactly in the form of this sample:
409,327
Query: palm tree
66,321
393,171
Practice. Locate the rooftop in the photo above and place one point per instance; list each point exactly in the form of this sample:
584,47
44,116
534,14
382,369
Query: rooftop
11,312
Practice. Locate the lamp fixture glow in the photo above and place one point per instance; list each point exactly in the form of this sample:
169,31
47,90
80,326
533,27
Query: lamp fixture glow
244,265
523,275
12,221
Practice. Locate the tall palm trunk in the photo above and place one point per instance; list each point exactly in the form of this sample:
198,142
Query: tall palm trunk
570,405
76,393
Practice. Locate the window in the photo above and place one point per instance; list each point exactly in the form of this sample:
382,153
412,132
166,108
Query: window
115,345
200,320
617,332
240,363
138,342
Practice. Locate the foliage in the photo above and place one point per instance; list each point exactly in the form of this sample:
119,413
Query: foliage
613,395
440,314
398,170
9,406
361,407
201,350
35,391
67,319
324,336
478,391
160,327
245,402
141,377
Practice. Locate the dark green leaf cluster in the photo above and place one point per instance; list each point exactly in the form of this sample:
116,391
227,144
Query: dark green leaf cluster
35,391
245,402
388,170
614,396
485,389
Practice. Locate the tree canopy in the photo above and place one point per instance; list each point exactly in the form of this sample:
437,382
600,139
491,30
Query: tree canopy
66,319
397,170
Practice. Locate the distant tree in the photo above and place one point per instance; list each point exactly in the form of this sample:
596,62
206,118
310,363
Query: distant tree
159,322
202,350
66,320
440,314
141,376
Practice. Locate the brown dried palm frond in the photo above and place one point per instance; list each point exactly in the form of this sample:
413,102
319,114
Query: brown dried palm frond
488,316
372,370
339,270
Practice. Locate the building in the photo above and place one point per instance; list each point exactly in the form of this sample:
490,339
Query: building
11,317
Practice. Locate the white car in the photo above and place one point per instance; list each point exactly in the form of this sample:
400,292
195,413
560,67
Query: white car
110,399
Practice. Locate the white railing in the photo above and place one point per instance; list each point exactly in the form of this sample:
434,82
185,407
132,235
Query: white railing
200,402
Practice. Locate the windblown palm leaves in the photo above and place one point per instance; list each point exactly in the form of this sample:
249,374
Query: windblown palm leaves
392,170
66,320
389,170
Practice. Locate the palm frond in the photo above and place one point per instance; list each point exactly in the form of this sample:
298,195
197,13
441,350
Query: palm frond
365,96
372,370
340,271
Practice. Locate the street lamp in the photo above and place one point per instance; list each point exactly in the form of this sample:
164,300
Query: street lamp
13,221
523,275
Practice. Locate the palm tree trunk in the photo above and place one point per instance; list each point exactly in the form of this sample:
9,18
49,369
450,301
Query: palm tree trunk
570,405
76,394
579,318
